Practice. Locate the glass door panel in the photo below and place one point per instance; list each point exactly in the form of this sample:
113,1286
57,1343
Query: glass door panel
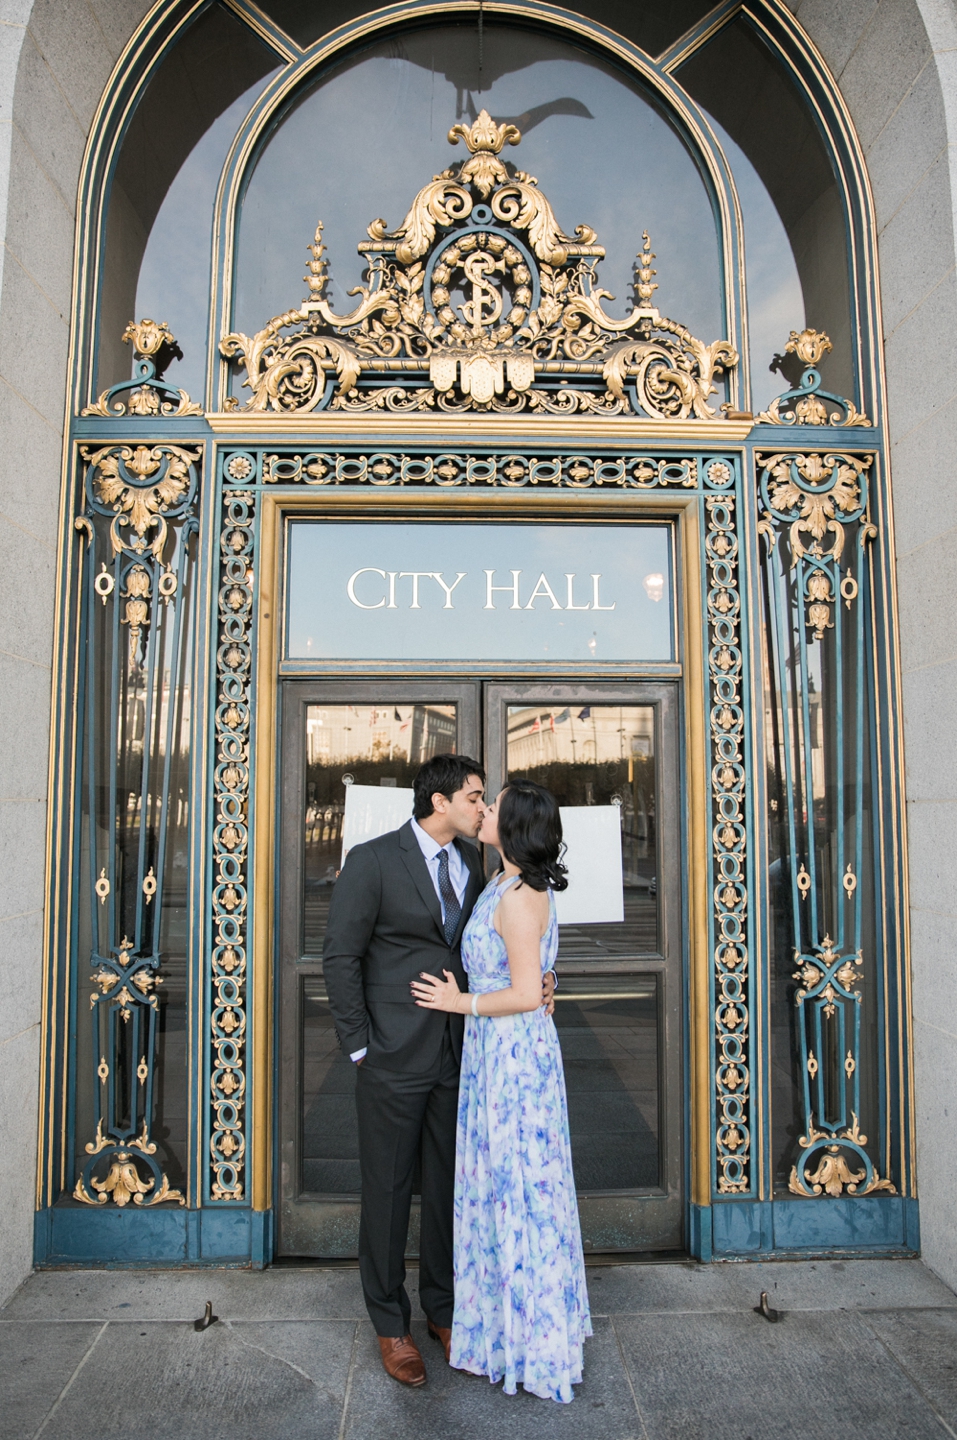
379,744
609,1038
599,755
336,734
329,1155
618,1005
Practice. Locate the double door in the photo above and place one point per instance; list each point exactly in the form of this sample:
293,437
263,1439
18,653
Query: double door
619,1000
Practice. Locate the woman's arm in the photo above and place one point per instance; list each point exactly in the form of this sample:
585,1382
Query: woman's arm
523,916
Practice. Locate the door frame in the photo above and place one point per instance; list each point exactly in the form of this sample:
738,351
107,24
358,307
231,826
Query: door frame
686,511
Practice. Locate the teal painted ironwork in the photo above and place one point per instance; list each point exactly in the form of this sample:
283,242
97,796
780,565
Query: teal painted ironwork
730,771
818,616
138,521
808,403
147,393
226,989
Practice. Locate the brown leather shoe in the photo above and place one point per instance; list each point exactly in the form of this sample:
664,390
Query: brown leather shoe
444,1337
401,1359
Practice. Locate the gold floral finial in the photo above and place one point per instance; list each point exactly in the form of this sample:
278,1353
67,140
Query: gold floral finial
484,134
147,393
645,285
810,346
148,337
317,277
485,139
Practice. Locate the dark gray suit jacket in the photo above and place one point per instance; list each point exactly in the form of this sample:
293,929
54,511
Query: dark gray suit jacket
385,926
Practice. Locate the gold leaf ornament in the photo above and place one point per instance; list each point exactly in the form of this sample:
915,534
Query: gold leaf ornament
144,395
148,337
121,482
810,346
397,326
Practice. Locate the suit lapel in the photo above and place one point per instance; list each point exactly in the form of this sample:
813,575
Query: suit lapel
419,871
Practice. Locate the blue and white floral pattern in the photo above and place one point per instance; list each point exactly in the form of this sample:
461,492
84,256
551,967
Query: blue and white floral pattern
521,1305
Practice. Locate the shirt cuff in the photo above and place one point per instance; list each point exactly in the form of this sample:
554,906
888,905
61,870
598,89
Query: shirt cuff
359,1054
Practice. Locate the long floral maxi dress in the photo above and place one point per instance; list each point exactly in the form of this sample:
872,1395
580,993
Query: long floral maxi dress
521,1305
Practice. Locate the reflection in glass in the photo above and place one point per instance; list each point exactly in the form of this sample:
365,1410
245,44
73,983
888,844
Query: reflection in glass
602,152
608,1019
653,27
599,755
768,117
174,279
329,1148
609,1038
173,151
306,23
374,745
774,297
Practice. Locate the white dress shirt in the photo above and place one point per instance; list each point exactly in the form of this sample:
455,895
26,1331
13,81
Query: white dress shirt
458,874
458,870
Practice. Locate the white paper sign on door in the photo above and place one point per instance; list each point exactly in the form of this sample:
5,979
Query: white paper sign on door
371,811
593,837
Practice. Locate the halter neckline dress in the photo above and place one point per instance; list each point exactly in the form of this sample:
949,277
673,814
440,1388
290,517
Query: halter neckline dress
521,1303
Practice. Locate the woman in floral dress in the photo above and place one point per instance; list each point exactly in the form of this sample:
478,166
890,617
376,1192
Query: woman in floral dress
521,1305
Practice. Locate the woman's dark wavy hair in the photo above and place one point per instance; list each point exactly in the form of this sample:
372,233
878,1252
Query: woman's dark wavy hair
530,834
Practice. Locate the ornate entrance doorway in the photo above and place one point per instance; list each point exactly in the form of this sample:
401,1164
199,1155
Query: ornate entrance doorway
270,550
619,1006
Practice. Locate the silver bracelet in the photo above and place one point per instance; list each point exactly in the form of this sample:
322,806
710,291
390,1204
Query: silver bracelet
475,1006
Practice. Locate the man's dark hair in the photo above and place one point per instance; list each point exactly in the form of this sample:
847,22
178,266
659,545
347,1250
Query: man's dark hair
442,775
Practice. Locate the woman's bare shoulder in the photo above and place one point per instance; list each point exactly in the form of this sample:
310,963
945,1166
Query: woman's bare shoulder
522,901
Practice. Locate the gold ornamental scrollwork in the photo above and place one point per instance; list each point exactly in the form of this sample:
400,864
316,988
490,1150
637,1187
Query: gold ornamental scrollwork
732,1075
834,1161
817,497
124,1183
144,486
479,301
148,394
230,914
807,403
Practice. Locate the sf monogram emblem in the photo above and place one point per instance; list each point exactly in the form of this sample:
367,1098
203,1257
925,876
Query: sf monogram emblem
477,268
493,274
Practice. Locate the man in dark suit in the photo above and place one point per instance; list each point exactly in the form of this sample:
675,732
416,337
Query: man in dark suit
398,909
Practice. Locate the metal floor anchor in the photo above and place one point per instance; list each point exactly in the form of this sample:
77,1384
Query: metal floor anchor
208,1318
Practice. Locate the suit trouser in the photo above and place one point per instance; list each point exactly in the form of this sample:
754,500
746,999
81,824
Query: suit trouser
402,1117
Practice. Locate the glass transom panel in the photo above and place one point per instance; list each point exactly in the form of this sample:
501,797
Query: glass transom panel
581,593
